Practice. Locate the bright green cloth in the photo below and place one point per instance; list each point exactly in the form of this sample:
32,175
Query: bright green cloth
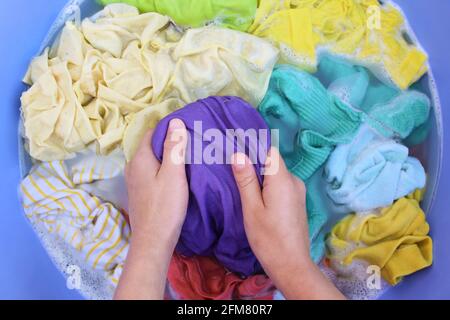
233,14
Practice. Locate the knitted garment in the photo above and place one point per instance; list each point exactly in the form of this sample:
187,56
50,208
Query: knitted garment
400,116
394,238
214,223
312,121
371,172
365,31
101,80
203,278
394,113
233,14
353,84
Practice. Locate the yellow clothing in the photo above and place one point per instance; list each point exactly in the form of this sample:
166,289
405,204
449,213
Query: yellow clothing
394,238
362,30
69,199
292,30
90,85
417,195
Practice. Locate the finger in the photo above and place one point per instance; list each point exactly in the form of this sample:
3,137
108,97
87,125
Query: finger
247,182
175,149
274,166
275,173
144,155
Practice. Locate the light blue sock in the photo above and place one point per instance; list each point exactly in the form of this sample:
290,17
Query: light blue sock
371,172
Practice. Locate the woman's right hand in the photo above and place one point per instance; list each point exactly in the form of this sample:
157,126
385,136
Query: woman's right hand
277,229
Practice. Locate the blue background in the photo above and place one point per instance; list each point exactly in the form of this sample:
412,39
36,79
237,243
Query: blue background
26,272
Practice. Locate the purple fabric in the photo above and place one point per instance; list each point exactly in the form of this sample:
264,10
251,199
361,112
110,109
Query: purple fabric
214,223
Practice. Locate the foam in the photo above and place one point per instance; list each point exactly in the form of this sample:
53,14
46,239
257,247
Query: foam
94,284
352,280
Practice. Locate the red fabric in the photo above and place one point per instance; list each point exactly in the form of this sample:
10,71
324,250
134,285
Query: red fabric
198,278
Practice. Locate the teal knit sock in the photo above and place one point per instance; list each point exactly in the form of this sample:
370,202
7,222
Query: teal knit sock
400,116
315,120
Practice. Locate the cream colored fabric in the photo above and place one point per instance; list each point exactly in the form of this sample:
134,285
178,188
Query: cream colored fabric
68,198
96,78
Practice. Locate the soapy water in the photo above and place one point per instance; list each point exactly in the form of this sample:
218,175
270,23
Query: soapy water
356,280
96,284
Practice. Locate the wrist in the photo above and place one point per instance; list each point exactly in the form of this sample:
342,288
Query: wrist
151,246
298,263
294,272
306,281
153,234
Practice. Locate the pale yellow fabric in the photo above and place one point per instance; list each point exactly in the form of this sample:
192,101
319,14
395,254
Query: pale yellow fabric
393,238
69,199
360,29
89,87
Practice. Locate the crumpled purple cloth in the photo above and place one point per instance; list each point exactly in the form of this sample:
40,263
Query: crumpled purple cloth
214,222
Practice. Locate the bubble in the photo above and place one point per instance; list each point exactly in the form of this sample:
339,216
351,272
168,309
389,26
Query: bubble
351,281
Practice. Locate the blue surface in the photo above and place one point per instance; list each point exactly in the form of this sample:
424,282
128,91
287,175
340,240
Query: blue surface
26,272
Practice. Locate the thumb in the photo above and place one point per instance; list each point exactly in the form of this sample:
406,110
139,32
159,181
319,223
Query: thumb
173,162
247,182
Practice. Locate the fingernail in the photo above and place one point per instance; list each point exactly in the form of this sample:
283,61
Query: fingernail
176,124
238,161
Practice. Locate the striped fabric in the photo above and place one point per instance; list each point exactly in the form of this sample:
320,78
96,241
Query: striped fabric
60,196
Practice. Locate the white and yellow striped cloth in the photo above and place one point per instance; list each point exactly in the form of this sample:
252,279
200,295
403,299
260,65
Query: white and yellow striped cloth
68,198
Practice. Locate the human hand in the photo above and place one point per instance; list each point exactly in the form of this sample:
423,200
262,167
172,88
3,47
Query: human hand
277,229
158,193
158,200
274,217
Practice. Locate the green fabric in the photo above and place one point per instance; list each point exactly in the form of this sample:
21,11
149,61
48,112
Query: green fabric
360,87
233,14
392,112
401,115
316,221
351,88
419,135
309,119
377,93
312,120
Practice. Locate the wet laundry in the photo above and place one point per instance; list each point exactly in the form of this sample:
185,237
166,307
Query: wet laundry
204,278
344,130
73,200
214,224
394,238
365,31
233,14
89,86
312,120
371,172
309,119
